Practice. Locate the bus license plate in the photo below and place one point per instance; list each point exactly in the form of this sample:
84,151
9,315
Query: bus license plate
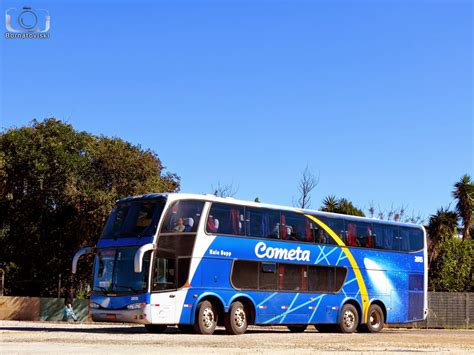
111,316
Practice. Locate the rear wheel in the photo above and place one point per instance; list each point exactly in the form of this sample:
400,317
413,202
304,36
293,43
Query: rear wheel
349,319
236,320
375,320
206,318
297,328
156,328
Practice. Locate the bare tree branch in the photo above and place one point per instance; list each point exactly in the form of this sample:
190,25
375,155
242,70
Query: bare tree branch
227,190
306,184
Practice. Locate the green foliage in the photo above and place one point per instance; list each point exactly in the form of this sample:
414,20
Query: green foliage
464,194
443,224
451,270
57,186
342,206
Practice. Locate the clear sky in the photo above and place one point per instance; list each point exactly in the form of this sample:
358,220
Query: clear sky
375,97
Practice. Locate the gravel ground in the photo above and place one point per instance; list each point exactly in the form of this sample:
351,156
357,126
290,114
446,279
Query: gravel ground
62,338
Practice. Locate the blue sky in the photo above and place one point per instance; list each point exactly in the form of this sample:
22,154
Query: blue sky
374,97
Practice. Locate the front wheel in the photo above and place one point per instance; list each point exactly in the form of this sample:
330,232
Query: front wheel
297,328
206,318
349,319
236,320
155,328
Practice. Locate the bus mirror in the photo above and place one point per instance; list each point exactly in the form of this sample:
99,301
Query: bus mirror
81,252
138,261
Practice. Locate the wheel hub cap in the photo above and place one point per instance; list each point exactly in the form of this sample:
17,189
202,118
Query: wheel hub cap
349,319
239,317
208,317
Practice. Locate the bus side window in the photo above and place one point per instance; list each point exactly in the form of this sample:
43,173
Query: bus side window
297,227
386,237
404,239
180,212
268,277
292,277
359,234
225,219
416,239
336,225
351,234
262,223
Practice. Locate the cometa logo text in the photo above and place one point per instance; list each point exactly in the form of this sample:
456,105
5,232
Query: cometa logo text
262,251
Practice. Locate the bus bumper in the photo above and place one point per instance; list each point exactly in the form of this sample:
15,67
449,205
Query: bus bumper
141,316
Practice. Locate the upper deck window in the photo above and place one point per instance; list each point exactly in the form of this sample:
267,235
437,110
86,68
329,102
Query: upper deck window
134,218
296,227
262,223
226,219
183,216
359,234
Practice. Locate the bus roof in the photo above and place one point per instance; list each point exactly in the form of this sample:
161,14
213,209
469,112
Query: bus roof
230,200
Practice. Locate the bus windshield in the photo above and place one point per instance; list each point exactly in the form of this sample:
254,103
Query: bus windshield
134,219
114,271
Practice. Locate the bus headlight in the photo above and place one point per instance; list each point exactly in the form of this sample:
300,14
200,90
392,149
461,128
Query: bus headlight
136,305
94,305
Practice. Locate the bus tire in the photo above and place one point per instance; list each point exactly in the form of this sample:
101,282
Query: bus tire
375,320
156,328
348,319
300,328
206,318
236,320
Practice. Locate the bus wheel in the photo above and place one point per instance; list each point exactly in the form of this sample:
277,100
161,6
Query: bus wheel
236,320
206,318
375,321
349,319
156,328
297,328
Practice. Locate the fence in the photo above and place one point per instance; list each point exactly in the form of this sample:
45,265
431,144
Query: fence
39,308
446,310
450,310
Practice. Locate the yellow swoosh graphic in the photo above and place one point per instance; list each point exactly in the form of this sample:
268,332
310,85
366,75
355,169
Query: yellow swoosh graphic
355,267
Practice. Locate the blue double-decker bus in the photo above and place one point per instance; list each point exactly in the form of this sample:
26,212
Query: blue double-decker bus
199,261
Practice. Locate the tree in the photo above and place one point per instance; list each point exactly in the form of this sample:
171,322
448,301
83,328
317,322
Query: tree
443,224
224,190
57,186
342,205
451,270
306,184
464,193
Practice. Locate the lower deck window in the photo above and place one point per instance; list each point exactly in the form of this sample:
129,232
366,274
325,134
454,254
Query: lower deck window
255,275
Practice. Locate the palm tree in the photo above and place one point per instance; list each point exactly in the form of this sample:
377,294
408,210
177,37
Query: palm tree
342,205
464,193
443,224
330,204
